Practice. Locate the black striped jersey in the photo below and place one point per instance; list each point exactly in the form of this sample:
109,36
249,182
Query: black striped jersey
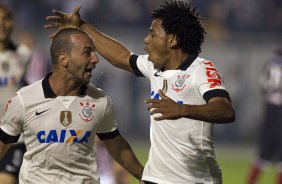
59,132
182,150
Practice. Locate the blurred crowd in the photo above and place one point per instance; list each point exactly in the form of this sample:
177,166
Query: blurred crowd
233,15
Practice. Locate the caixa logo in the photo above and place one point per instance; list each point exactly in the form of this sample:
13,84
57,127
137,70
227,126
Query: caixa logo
63,136
156,95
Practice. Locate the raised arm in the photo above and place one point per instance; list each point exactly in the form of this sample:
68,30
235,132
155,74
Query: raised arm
121,152
109,48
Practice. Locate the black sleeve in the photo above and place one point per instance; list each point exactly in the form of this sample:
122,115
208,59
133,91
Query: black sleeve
216,93
133,64
109,135
6,138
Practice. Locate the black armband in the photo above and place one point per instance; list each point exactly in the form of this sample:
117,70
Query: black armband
6,138
216,93
108,135
133,64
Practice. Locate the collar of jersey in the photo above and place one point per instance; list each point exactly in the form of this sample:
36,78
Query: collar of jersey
49,93
185,64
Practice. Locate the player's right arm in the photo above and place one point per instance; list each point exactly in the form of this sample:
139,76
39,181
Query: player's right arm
109,48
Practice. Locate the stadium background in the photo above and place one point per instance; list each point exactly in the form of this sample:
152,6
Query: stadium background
241,36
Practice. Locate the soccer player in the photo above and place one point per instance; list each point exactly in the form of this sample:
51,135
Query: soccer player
59,117
187,92
14,60
270,138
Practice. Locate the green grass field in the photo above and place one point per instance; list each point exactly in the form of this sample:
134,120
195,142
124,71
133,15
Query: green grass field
234,161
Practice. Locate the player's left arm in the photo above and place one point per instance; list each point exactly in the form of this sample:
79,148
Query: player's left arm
216,110
121,152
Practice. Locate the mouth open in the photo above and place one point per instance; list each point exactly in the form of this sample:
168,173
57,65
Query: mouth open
88,71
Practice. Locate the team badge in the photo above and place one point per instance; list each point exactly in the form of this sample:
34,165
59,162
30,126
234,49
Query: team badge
87,112
65,118
179,83
164,89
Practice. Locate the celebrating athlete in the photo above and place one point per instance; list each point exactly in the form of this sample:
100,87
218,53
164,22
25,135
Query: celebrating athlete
187,92
59,117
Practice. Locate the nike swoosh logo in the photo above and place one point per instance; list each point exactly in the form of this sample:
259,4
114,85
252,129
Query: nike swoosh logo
157,74
41,112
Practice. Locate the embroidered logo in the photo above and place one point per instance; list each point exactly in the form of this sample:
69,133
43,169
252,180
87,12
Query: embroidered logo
87,113
37,113
179,83
65,118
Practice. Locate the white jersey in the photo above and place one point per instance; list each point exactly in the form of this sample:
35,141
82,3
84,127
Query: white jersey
13,64
182,150
59,132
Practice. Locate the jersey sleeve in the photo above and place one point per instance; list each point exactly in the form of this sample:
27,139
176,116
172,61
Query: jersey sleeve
108,122
12,121
208,82
141,66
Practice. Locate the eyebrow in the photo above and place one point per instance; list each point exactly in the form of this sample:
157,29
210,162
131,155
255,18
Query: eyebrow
89,48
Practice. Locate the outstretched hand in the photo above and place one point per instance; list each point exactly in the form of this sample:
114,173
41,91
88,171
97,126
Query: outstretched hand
63,20
168,108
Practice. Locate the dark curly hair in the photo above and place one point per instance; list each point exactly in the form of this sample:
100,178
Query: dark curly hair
180,19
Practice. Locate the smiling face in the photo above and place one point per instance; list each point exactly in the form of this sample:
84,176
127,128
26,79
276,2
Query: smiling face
157,44
82,58
6,24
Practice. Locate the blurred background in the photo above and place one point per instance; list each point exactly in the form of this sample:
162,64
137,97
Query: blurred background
242,35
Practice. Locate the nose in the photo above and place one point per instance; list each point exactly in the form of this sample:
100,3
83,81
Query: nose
94,58
146,40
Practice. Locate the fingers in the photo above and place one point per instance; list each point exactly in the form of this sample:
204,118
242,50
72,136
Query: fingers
58,13
154,111
77,9
50,26
159,118
53,18
153,105
152,101
157,111
162,95
52,36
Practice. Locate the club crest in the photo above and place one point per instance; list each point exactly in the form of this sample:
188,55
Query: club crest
87,112
65,118
179,83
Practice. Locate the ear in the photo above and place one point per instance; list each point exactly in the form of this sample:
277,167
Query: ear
63,59
172,41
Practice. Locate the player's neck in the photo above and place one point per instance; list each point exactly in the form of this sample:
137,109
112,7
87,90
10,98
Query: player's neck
62,86
175,60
